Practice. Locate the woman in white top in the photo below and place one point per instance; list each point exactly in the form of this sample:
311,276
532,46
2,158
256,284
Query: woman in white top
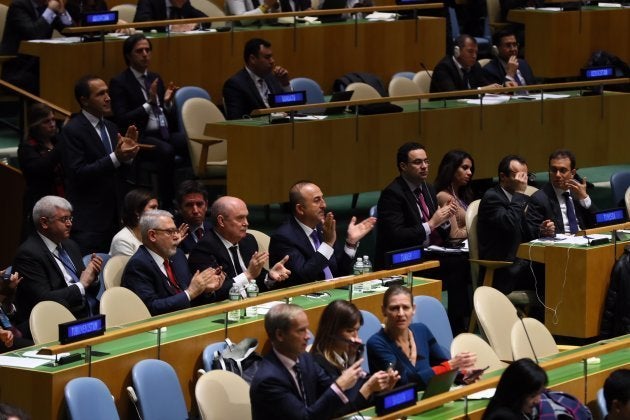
128,239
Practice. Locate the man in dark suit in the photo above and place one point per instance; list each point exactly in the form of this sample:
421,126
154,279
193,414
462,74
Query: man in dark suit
51,264
563,202
502,226
256,8
309,238
248,89
28,20
289,384
408,214
506,68
95,157
140,98
460,71
229,246
153,10
192,203
158,271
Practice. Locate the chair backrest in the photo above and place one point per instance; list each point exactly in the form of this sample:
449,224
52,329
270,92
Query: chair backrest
105,258
400,86
529,190
262,239
627,200
431,313
363,91
494,11
473,244
314,93
453,22
539,338
113,271
423,80
496,316
371,325
619,183
485,355
122,306
223,395
4,9
45,318
406,74
89,399
159,392
196,113
208,354
183,94
210,9
126,12
483,61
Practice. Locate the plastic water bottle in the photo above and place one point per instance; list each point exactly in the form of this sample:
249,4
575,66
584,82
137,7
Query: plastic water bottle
235,296
367,268
252,291
358,270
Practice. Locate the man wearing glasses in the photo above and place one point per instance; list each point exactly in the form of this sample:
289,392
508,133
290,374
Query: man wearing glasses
408,214
158,272
51,265
563,204
506,68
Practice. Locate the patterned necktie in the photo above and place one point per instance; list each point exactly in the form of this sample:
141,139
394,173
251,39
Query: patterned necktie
466,78
298,373
171,277
199,232
104,137
157,111
573,223
237,264
68,264
264,91
422,203
315,236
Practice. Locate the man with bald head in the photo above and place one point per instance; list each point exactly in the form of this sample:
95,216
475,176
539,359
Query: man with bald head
229,246
309,238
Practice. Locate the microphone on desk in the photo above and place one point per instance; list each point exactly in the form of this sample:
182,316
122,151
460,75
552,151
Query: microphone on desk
520,316
426,70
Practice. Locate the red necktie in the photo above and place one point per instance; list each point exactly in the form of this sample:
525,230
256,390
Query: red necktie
171,277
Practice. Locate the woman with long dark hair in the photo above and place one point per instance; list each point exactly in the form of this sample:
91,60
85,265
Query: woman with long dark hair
128,239
337,346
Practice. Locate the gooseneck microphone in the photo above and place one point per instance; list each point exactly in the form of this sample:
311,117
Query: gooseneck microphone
426,70
531,346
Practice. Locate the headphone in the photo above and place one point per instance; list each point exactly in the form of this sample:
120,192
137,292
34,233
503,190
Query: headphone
456,51
494,50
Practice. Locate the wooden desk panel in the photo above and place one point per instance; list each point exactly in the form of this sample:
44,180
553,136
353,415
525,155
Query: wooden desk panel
348,155
558,44
576,283
320,52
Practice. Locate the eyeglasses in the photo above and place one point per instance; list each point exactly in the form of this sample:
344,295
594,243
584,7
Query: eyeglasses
171,232
63,219
419,162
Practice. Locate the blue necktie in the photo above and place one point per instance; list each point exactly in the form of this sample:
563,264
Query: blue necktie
315,236
573,223
68,264
104,137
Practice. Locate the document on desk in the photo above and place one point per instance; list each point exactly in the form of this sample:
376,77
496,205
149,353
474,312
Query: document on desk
21,362
571,240
488,99
381,16
60,40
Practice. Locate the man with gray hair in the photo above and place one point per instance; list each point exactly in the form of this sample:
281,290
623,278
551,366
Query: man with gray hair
229,245
289,384
51,265
158,271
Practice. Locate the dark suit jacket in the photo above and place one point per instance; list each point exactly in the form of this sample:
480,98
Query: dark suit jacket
241,96
188,244
127,100
495,72
446,77
274,395
24,23
143,276
149,10
93,183
305,263
43,280
501,224
544,205
399,222
211,252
